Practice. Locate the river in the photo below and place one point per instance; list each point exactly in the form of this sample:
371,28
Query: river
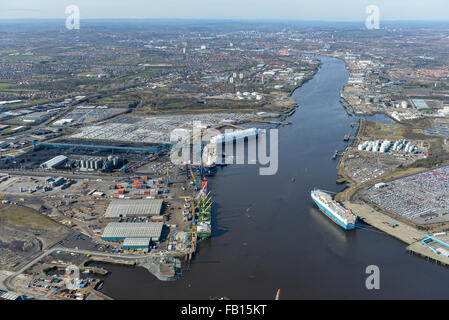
268,234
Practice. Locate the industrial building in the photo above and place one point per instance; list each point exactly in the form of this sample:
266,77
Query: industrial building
136,244
36,117
54,162
134,208
90,163
116,231
420,104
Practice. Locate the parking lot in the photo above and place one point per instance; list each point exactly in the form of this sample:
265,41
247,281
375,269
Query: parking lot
420,198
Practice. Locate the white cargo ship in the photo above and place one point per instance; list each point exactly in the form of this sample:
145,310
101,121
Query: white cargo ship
334,210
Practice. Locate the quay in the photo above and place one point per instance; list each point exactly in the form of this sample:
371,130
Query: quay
399,230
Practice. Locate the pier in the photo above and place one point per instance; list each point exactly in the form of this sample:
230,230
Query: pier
347,106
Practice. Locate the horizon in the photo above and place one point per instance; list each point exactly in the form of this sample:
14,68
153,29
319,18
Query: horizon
224,20
291,10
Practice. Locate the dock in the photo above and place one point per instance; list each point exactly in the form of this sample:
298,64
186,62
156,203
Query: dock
401,231
418,249
347,106
282,122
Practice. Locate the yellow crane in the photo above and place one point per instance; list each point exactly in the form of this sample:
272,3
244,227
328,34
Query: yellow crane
207,201
207,208
207,195
204,201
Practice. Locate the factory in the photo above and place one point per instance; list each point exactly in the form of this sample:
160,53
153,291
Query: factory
134,208
90,163
54,162
98,163
119,231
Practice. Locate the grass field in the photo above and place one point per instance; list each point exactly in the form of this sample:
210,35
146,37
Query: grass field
19,58
16,215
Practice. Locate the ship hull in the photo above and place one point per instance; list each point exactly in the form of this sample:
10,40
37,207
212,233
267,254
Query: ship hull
210,169
334,217
204,235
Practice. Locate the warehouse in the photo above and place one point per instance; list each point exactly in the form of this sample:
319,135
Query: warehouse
116,231
136,244
134,208
36,117
54,162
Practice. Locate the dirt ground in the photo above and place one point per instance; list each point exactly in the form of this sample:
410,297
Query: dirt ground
25,232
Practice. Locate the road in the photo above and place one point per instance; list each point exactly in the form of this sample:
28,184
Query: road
67,174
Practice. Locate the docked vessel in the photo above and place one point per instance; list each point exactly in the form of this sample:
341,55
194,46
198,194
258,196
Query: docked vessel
211,157
204,225
235,136
334,210
204,221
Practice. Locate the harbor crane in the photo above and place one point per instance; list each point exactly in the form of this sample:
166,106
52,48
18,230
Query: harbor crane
194,179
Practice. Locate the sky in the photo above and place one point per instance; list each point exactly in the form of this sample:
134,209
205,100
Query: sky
318,10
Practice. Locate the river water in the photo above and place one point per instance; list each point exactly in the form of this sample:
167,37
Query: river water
268,234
